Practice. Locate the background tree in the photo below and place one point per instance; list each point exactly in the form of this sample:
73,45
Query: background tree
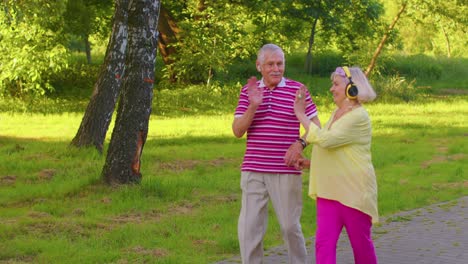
32,48
202,40
266,18
98,115
384,39
167,37
343,24
86,17
436,26
131,127
212,35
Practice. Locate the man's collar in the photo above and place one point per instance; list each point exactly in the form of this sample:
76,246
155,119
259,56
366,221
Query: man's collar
280,84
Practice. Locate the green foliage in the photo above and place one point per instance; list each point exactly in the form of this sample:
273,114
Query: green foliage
358,26
323,63
30,51
433,27
454,73
212,37
77,80
74,85
78,17
414,66
238,70
84,18
218,40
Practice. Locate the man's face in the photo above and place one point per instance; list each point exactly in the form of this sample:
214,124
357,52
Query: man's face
272,68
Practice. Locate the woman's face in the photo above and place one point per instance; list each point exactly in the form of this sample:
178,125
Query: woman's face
338,90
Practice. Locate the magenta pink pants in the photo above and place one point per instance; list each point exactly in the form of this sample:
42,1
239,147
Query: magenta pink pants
331,217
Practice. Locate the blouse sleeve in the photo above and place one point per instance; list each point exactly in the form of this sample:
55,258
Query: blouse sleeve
352,128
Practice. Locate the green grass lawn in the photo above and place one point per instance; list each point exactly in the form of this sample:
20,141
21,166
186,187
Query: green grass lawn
55,209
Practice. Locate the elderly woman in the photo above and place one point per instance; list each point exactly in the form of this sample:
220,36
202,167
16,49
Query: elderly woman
342,177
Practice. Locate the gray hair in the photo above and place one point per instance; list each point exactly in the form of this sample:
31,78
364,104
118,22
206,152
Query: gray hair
365,91
268,48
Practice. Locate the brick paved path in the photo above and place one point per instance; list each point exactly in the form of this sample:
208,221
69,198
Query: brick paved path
437,234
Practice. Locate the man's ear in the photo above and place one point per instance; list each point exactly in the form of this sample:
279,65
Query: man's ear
259,68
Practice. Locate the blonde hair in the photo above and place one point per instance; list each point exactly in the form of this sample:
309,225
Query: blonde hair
365,91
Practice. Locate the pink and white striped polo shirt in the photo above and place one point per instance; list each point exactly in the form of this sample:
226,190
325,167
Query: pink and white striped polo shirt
274,127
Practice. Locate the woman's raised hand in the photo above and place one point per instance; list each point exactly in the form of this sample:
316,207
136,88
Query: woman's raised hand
300,101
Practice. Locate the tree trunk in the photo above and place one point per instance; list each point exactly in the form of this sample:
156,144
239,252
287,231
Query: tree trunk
447,42
384,39
311,44
168,35
131,127
87,49
98,115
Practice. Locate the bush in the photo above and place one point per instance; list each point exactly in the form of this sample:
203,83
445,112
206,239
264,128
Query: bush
416,66
323,64
240,70
77,80
394,89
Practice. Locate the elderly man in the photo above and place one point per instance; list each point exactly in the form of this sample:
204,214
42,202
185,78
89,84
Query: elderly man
265,112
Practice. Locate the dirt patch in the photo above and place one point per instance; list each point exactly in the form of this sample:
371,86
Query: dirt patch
46,174
35,214
136,217
442,149
458,156
450,185
155,252
20,259
106,200
197,242
440,159
184,209
450,91
221,199
181,165
40,156
8,180
437,159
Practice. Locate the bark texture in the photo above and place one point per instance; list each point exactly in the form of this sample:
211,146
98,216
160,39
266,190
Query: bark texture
168,35
123,158
98,115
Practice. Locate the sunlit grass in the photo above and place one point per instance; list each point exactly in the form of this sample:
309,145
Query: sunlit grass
185,210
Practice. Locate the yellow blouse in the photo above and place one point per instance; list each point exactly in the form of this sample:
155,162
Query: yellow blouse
341,164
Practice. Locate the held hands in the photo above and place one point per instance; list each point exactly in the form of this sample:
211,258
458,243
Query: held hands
294,158
302,163
293,153
255,93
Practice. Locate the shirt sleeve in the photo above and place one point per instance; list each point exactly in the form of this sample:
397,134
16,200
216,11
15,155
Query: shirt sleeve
311,108
351,128
243,102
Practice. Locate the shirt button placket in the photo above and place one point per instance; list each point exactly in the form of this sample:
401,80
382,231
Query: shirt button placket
269,100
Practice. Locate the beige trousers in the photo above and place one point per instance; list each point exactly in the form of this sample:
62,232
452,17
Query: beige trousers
285,192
